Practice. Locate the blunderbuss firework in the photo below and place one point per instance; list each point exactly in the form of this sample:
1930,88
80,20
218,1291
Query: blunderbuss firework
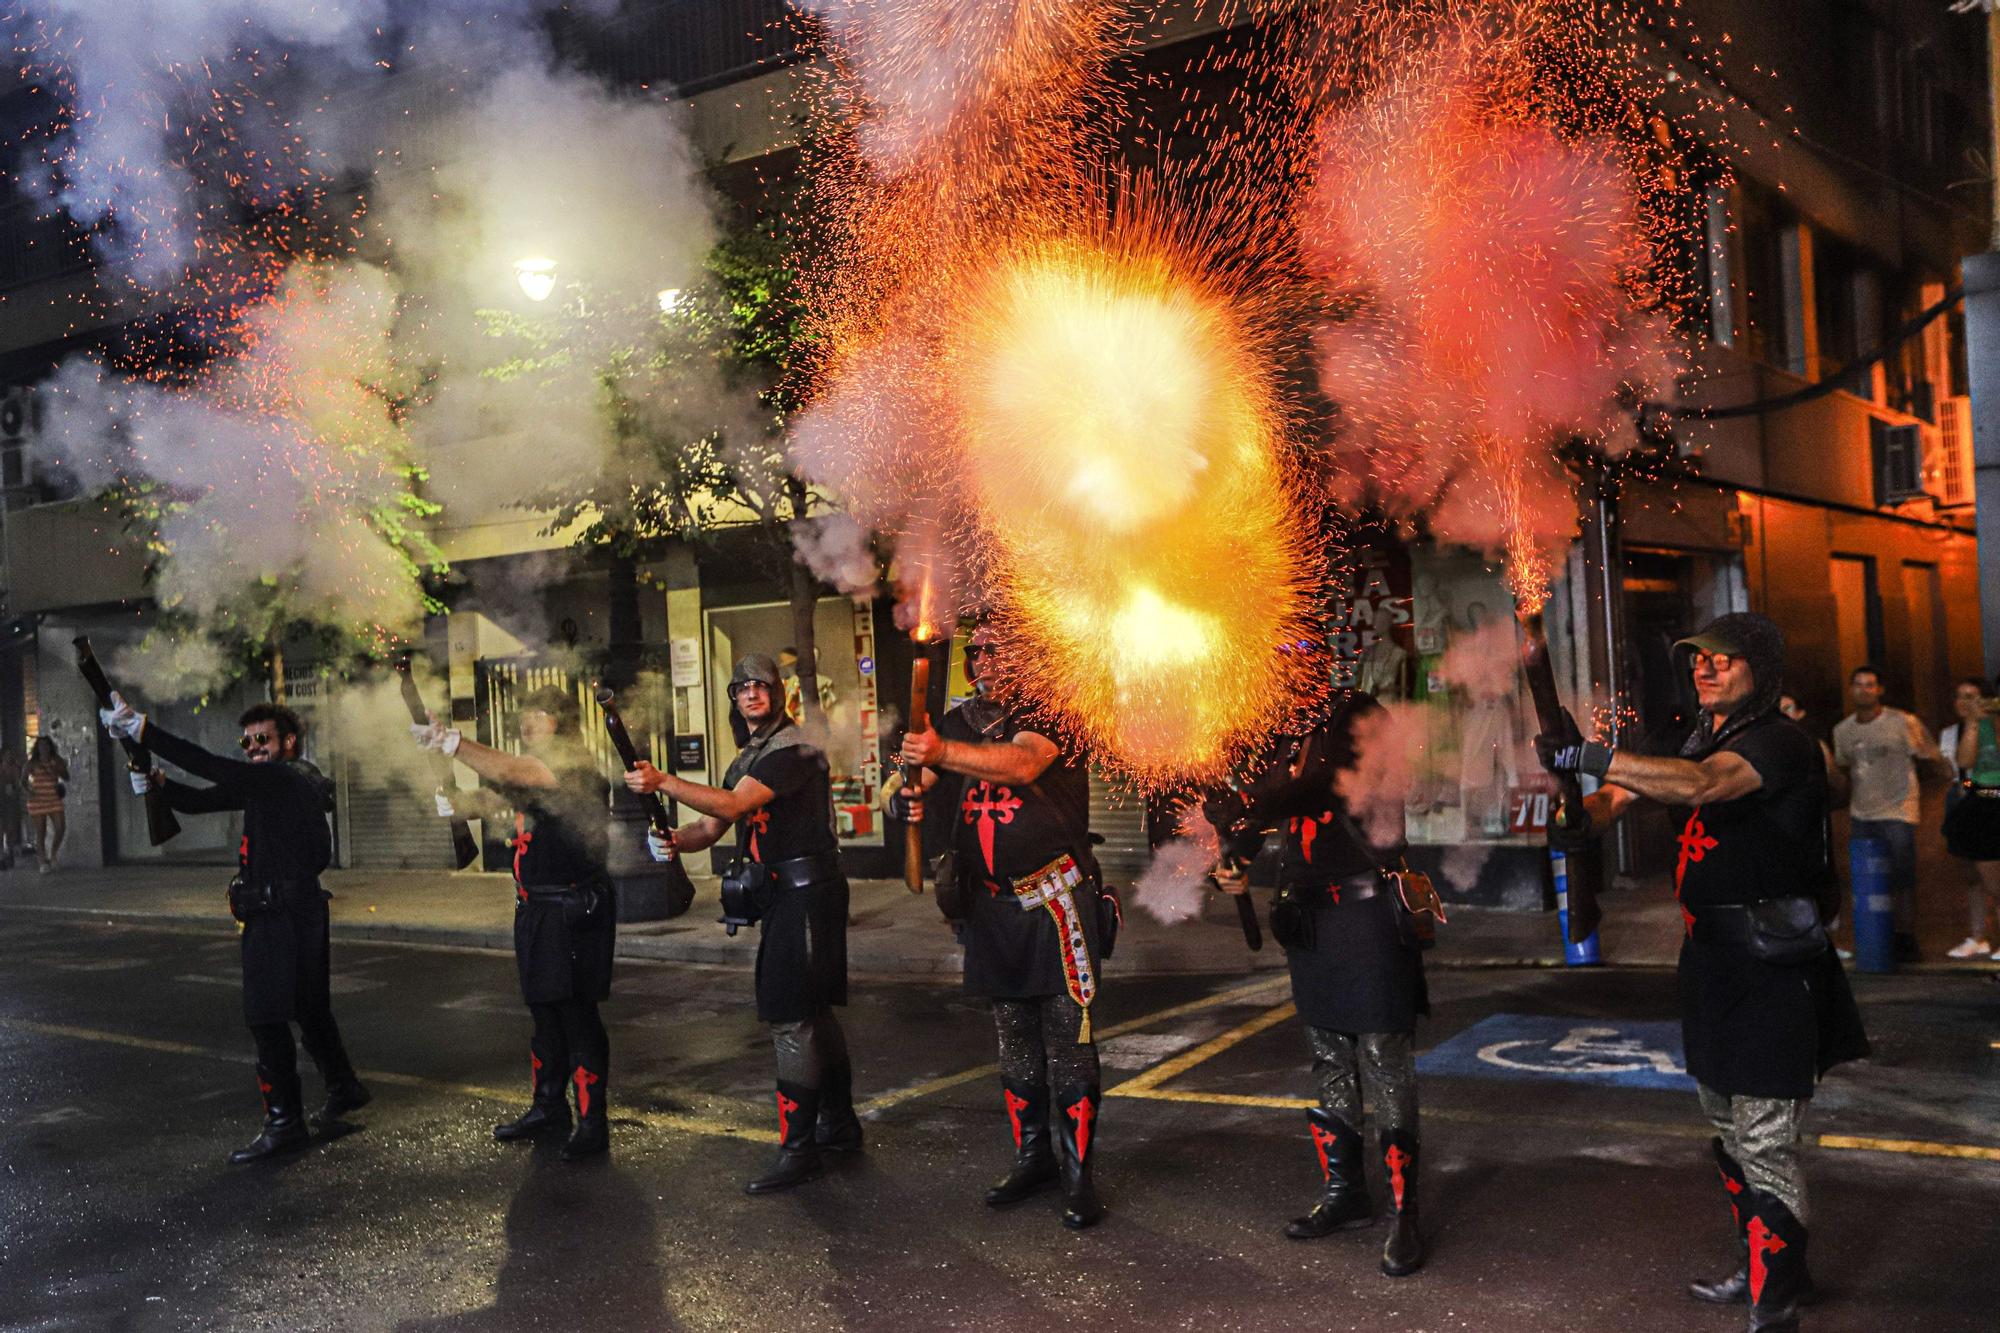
657,812
464,847
1240,837
1584,912
160,822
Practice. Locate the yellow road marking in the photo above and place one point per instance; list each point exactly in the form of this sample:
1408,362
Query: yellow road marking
1916,1147
1234,995
1208,1050
677,1121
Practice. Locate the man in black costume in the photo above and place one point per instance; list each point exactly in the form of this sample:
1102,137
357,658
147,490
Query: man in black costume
787,875
565,908
1765,1007
276,895
1357,981
1031,899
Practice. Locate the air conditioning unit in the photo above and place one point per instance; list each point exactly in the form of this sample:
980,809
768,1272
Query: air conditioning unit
1952,467
1899,461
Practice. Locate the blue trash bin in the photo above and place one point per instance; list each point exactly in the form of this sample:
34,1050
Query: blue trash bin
1874,905
1574,955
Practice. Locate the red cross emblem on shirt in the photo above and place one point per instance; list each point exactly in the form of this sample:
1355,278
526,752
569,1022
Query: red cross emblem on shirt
758,823
1308,829
986,805
1695,845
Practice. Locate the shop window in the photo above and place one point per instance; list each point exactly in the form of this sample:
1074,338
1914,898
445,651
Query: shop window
1477,781
846,723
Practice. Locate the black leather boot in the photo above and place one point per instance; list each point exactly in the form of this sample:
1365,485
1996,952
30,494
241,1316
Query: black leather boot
1736,1287
349,1095
593,1124
344,1091
550,1108
1076,1133
1404,1252
838,1128
798,1156
1778,1282
284,1120
1034,1167
1345,1202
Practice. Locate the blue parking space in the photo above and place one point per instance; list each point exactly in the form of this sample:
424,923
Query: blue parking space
1569,1050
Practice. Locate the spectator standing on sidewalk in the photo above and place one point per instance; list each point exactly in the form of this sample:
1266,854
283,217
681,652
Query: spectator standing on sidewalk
1879,748
1972,811
47,778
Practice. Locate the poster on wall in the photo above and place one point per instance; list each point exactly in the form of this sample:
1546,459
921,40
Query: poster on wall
1369,624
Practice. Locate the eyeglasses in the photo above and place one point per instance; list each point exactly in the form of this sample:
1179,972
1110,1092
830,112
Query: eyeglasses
1717,662
975,649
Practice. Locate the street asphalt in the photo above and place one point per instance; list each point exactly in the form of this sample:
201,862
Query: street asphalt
1566,1182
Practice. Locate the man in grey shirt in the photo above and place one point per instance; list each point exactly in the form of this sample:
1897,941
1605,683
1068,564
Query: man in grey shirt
1878,749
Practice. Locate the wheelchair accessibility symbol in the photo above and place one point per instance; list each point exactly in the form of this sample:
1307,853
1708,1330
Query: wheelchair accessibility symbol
1521,1046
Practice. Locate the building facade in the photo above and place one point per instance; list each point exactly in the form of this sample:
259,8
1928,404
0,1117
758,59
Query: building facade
1842,509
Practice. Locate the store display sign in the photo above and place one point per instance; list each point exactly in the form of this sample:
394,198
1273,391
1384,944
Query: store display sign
1369,623
684,663
690,753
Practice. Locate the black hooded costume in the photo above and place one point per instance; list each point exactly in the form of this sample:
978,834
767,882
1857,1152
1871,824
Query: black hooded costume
1752,1028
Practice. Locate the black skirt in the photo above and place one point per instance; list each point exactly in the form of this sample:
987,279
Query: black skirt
1972,827
1755,1029
802,953
287,959
1015,955
1358,976
563,946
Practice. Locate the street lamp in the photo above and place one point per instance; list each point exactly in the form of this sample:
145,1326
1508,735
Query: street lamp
537,277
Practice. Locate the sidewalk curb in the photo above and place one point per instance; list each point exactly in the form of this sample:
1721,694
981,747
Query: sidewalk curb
644,942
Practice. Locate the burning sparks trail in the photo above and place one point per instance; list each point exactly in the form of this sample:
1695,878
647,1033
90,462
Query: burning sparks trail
1122,443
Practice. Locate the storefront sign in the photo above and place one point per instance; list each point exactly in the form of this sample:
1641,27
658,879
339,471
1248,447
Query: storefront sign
684,663
690,753
1368,626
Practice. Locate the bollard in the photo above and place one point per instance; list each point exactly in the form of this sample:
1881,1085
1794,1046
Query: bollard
1874,907
1574,955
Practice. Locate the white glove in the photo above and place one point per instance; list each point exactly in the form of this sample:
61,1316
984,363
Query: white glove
121,719
142,782
660,846
437,736
445,808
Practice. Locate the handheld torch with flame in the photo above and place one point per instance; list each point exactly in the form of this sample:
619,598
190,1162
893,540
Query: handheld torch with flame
913,774
1584,913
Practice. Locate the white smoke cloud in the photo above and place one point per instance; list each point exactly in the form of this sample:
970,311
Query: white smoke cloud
837,550
363,372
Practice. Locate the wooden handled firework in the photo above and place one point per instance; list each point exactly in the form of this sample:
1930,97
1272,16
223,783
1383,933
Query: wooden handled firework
160,822
913,774
464,847
658,813
1584,913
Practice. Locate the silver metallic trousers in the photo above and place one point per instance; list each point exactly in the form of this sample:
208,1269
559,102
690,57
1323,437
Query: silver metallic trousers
1378,1067
805,1051
1038,1043
1764,1135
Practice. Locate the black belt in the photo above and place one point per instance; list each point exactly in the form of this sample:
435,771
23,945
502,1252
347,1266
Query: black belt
1725,923
545,891
1354,889
802,872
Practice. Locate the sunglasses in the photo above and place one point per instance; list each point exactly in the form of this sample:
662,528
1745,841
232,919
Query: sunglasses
1714,661
250,742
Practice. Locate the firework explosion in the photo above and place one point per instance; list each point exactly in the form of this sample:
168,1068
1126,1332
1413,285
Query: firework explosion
1465,206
